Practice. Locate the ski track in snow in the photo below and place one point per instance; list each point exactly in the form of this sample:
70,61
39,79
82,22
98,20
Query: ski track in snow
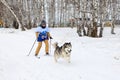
91,58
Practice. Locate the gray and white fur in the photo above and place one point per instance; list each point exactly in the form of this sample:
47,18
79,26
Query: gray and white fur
63,52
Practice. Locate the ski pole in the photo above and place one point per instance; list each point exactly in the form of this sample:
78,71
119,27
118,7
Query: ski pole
50,46
32,47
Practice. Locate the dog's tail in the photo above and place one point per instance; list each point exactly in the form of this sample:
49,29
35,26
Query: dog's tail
55,44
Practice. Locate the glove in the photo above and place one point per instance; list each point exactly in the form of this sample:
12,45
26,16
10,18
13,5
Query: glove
51,37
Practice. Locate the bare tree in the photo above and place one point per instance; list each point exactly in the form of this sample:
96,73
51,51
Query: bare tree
6,4
83,14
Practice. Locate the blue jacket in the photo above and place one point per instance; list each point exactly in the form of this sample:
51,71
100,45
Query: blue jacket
43,33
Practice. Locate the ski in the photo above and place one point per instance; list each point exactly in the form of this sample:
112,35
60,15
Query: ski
47,55
37,57
116,58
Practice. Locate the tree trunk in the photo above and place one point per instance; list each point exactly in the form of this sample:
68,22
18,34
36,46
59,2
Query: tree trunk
101,26
94,30
112,27
101,29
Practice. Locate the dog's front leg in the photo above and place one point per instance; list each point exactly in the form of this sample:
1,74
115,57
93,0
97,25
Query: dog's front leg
56,60
68,59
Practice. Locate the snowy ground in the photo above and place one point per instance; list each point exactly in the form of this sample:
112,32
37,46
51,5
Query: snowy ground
91,59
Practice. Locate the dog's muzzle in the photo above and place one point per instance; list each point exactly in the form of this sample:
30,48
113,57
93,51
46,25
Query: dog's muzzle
69,50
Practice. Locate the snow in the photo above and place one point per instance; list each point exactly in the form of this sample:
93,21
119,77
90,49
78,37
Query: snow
91,58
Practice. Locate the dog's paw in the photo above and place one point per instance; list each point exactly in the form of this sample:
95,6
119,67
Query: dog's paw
69,61
55,61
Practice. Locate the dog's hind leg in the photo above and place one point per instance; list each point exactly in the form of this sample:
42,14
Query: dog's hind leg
55,58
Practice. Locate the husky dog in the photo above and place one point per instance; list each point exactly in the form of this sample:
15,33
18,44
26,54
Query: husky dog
62,52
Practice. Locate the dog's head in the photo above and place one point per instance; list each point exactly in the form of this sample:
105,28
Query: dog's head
68,47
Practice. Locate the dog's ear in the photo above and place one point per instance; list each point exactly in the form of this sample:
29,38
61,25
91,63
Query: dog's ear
64,43
69,42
